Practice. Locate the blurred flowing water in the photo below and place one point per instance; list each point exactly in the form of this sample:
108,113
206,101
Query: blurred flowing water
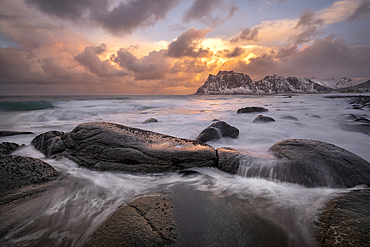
67,214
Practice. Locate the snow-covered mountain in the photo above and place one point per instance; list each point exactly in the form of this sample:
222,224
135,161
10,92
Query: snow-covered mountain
335,84
230,82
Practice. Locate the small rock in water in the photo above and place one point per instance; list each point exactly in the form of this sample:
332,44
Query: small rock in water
8,147
289,118
216,131
347,117
358,107
12,133
263,119
151,120
251,109
315,116
358,125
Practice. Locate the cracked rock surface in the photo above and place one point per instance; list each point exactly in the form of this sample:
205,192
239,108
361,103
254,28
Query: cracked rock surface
345,220
147,221
108,146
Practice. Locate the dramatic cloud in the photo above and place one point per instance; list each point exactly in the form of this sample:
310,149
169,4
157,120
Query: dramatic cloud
325,58
89,58
234,53
361,12
247,35
309,25
212,12
122,19
13,67
151,67
71,9
187,44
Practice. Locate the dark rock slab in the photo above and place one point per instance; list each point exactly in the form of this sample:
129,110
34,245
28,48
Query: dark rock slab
347,117
217,130
150,120
109,146
263,119
17,172
146,221
252,109
345,220
13,133
289,118
8,147
316,163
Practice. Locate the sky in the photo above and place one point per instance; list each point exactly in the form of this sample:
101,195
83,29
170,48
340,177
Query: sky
161,47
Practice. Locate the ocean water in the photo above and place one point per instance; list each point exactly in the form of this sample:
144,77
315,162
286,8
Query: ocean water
74,210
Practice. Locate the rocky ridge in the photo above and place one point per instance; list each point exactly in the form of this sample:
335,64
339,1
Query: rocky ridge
232,83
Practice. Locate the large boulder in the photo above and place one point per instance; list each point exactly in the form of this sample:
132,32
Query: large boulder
109,146
251,109
345,220
316,163
18,171
146,221
216,131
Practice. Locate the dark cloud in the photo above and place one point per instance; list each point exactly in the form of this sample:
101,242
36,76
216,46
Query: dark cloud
361,12
71,9
234,53
127,17
13,67
212,12
186,44
327,57
310,27
122,19
100,68
150,67
247,35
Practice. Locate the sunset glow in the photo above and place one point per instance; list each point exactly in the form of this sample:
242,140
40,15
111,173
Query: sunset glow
168,47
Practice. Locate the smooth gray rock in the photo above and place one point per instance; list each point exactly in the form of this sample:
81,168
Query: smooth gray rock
109,146
8,147
358,125
18,171
146,221
289,118
345,220
150,120
216,131
263,119
318,164
251,109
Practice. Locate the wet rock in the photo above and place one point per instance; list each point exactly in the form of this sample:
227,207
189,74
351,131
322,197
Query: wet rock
358,125
315,163
108,146
315,116
358,107
151,120
8,147
146,221
347,117
289,118
216,131
17,172
345,220
12,133
251,109
263,119
228,159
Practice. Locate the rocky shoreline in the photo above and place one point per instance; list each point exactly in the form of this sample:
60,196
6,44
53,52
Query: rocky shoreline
164,218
